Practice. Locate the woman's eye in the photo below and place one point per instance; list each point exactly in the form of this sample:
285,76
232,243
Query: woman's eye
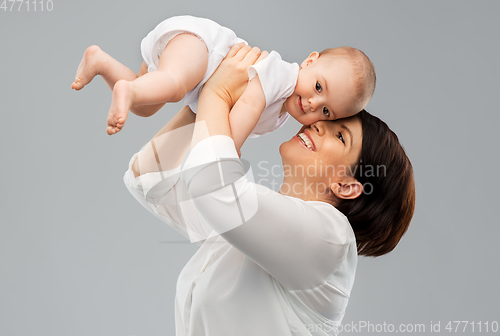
326,112
318,87
341,137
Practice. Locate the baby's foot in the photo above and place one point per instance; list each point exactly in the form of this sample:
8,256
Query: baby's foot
120,105
89,67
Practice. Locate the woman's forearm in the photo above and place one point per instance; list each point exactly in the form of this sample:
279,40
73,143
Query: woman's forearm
167,148
212,117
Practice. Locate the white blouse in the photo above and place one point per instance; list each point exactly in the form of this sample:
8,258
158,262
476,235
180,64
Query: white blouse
267,265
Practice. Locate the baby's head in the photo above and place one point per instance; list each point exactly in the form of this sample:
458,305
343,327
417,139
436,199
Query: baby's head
336,83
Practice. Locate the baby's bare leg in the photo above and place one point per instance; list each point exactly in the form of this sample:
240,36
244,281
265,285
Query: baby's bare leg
182,66
96,62
145,110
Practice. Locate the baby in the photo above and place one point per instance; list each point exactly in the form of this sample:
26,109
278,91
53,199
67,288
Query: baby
182,52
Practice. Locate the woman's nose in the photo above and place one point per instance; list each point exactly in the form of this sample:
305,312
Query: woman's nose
318,127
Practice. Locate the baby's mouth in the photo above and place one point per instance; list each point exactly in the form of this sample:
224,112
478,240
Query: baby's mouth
300,105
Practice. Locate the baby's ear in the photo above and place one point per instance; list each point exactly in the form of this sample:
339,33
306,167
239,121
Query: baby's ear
311,59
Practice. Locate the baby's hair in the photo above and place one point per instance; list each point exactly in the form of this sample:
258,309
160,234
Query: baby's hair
363,69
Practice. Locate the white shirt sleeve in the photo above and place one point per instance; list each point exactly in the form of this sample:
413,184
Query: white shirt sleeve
277,77
163,195
299,243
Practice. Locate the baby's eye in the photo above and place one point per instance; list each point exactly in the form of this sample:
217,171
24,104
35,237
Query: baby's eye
318,87
341,137
326,112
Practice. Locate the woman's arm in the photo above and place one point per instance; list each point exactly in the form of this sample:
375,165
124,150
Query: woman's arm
153,176
168,147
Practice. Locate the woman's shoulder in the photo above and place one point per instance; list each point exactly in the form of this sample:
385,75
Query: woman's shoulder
337,228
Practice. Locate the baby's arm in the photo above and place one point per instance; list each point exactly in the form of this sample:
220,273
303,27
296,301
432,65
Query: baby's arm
246,112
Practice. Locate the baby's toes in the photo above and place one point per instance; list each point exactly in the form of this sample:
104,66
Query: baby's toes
111,129
111,121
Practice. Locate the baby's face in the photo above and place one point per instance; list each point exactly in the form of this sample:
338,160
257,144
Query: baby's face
325,90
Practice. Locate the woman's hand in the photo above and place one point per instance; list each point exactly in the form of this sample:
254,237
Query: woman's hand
222,90
231,77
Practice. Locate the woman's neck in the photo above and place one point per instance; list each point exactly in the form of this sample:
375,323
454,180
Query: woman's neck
306,190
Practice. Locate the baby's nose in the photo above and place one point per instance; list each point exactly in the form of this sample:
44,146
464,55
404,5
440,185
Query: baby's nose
313,104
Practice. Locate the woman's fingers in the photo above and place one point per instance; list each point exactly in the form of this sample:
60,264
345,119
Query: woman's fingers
231,77
252,56
240,55
234,49
263,55
245,54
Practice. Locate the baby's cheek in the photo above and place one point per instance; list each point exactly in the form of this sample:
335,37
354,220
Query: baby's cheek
309,119
312,121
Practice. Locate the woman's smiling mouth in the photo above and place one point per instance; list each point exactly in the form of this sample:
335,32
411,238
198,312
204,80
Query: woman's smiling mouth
305,140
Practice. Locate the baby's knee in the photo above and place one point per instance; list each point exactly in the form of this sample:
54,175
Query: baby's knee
179,87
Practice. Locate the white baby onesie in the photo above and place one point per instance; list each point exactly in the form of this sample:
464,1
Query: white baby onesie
278,78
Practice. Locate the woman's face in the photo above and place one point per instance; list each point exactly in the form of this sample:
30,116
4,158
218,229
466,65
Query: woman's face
323,152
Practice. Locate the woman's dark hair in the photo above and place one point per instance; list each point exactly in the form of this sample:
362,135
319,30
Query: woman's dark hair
381,215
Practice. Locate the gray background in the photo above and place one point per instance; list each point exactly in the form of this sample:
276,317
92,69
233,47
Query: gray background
78,255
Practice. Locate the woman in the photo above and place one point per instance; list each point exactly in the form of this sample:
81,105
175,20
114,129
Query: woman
272,263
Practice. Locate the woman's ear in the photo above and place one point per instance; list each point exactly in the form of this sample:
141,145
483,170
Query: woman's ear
311,59
347,190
